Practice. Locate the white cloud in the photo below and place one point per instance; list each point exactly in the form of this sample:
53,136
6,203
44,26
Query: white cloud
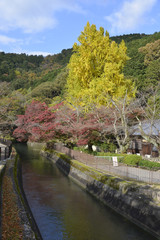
7,40
92,2
38,53
17,49
130,15
33,15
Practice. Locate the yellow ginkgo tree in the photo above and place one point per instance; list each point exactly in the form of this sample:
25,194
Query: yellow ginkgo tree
95,69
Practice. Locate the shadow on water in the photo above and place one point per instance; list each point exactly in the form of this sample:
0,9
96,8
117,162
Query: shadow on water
63,211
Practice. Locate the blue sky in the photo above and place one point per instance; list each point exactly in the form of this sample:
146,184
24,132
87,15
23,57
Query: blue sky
48,26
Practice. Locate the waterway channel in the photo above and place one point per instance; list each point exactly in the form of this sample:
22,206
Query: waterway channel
64,211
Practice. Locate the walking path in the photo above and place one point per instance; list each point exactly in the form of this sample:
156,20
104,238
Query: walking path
106,166
133,173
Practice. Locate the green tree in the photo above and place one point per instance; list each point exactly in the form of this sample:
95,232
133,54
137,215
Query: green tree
152,61
4,89
95,69
12,105
153,74
151,51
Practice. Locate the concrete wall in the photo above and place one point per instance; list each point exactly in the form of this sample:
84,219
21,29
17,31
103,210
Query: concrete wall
140,203
31,229
12,168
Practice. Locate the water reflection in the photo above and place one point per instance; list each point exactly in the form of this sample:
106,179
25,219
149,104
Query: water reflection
63,211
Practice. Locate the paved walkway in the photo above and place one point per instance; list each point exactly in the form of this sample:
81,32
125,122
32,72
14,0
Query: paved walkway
106,165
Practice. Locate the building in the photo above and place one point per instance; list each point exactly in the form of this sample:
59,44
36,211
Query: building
139,145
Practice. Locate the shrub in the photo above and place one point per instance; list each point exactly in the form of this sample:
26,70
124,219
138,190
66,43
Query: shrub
132,160
110,154
110,147
135,160
149,164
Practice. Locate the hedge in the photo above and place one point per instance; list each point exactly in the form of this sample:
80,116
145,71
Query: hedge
132,160
135,160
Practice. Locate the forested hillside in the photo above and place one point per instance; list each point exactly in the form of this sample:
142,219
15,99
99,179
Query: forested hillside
24,71
136,68
24,78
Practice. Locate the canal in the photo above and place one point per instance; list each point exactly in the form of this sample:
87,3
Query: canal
63,211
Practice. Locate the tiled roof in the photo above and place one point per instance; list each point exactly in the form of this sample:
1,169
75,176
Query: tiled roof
146,126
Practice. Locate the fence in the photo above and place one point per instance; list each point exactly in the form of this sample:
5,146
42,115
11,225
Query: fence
105,164
5,149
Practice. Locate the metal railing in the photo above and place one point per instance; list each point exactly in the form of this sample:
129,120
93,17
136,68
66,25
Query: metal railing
105,164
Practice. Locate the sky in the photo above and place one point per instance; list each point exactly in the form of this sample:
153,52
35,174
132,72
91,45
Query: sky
49,26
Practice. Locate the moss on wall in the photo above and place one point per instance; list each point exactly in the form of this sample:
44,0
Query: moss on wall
137,201
110,180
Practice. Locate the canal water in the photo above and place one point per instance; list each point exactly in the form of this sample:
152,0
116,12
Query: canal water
63,211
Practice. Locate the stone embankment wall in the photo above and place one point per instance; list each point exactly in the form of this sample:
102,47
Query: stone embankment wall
31,230
138,202
11,169
105,163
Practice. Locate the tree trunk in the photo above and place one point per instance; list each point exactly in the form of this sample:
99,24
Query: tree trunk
90,147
